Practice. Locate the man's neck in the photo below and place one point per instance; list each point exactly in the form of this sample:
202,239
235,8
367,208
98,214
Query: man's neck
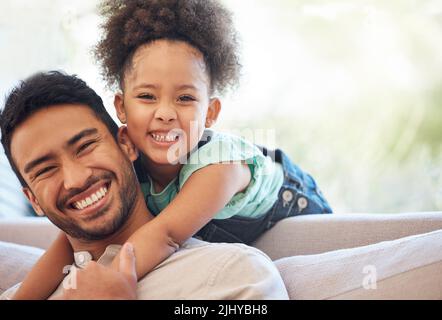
139,216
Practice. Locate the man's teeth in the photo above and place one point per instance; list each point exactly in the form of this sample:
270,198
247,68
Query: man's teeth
80,205
161,138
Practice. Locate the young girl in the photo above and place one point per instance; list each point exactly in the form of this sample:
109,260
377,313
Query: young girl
169,59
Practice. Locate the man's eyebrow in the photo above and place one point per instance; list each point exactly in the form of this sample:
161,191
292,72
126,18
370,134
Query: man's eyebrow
81,135
36,162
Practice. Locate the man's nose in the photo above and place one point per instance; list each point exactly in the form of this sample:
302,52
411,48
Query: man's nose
75,174
165,113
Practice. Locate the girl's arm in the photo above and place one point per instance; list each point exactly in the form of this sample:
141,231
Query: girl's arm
205,193
47,273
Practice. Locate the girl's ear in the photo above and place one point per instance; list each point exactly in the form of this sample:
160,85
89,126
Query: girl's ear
213,112
119,107
126,144
34,202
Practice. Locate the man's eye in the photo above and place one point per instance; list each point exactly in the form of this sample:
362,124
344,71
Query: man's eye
85,146
43,171
186,98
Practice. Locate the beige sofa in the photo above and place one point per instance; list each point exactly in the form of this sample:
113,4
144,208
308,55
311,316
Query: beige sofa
339,256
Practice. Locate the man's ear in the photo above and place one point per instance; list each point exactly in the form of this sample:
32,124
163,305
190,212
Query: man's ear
119,107
213,112
34,202
126,144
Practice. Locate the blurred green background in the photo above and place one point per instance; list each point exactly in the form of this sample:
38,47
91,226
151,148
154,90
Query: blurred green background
352,90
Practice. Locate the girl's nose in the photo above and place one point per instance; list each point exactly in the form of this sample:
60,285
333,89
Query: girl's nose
165,113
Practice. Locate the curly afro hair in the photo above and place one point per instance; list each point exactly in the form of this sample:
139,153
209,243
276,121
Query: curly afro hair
204,24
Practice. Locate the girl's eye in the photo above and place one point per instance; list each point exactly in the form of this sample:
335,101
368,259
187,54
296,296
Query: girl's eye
186,98
146,96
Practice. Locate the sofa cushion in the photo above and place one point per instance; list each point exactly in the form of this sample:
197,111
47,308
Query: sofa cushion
15,262
320,233
406,268
36,232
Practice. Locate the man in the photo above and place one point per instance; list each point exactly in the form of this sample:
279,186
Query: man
63,147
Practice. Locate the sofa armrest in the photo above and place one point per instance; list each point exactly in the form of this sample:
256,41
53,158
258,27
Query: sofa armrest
36,232
313,234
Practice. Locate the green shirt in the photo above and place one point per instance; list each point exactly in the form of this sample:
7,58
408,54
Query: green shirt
256,200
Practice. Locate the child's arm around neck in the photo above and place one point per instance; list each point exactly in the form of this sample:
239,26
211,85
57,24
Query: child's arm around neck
205,193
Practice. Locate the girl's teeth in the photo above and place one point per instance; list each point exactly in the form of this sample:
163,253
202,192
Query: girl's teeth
160,138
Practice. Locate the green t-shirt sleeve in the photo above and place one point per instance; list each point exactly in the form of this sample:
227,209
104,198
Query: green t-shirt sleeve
228,148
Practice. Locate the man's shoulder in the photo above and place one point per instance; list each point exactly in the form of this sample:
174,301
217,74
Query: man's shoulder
223,260
202,270
9,293
216,249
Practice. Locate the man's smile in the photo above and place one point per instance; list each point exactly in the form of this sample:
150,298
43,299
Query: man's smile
82,204
91,200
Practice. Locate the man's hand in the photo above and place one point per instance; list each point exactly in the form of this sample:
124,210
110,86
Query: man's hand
97,282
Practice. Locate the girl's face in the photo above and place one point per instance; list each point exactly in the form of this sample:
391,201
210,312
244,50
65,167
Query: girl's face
166,103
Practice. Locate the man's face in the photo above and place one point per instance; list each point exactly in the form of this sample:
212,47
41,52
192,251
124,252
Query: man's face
77,175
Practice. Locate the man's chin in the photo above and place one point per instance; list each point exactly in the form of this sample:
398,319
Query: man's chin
96,226
95,216
99,227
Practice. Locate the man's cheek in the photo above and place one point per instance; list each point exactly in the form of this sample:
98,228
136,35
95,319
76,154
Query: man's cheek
102,161
50,198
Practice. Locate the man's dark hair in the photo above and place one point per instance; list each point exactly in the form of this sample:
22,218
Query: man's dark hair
43,90
204,24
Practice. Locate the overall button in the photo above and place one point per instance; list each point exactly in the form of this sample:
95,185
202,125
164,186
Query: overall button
302,204
287,196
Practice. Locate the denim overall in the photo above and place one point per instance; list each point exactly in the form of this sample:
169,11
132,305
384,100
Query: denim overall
298,195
